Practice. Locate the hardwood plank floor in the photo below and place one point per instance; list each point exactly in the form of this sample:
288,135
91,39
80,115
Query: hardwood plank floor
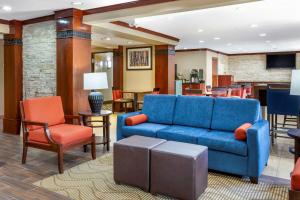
16,180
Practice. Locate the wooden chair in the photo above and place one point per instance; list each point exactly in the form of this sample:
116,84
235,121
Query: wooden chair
44,127
118,99
154,91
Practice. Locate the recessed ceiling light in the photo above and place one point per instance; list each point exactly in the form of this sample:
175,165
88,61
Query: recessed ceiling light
129,42
77,3
229,44
6,8
268,41
217,38
201,41
108,38
263,35
200,30
254,26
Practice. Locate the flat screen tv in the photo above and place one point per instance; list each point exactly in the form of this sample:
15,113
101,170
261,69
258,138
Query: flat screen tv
281,61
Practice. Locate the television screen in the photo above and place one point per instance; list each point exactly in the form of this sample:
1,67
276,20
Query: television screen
277,61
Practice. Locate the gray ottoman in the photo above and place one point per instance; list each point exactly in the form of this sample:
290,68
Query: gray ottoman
179,170
132,160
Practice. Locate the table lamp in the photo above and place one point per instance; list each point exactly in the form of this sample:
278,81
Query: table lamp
93,82
295,84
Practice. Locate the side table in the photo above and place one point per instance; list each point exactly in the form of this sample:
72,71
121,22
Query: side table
88,121
295,134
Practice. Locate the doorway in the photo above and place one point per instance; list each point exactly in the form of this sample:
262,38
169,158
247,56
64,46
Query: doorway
1,79
103,62
215,72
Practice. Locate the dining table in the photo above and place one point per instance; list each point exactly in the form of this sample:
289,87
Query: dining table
136,94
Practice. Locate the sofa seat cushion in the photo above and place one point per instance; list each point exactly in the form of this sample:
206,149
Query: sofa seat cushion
230,113
193,111
223,141
159,108
182,133
62,134
144,129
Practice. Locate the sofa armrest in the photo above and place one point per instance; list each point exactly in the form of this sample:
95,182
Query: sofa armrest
258,141
121,122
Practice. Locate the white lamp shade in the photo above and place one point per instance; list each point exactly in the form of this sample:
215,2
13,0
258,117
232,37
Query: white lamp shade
295,85
94,81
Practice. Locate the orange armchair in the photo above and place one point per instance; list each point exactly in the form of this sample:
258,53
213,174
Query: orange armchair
44,127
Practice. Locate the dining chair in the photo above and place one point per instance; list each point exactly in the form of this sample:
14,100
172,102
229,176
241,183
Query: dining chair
119,99
280,102
45,127
141,103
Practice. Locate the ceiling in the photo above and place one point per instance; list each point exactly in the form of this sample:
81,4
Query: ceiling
28,9
109,42
264,26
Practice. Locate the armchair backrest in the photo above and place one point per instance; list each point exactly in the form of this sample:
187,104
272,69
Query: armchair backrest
44,109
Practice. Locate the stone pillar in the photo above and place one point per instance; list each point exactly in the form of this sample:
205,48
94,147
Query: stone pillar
73,59
13,78
165,68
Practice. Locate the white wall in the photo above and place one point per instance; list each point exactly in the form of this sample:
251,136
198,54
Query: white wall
141,80
253,68
1,77
188,60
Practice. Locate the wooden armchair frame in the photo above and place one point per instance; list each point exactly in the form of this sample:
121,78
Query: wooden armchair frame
52,145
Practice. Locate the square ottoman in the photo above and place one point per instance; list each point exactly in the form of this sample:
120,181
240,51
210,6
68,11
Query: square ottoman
179,170
132,160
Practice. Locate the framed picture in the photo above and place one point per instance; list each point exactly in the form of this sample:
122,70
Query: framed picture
139,58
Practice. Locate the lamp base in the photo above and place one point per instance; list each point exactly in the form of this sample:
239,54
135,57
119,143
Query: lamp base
96,101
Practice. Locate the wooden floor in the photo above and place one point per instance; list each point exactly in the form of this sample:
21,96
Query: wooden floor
16,179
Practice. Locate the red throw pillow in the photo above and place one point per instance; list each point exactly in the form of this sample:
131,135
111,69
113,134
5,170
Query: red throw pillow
241,132
135,120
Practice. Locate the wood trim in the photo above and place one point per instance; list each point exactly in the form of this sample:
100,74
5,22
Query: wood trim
39,19
237,54
202,49
259,53
144,30
3,21
123,6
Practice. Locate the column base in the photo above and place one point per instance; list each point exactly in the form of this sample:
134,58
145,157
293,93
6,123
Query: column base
11,126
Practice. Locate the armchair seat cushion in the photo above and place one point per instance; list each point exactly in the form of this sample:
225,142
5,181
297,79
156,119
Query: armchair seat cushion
182,133
62,134
144,129
295,177
223,141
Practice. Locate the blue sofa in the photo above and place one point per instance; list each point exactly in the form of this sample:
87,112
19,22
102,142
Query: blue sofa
210,122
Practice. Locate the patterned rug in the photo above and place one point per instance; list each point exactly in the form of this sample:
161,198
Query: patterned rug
93,180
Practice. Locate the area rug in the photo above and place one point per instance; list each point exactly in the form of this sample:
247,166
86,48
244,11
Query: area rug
93,180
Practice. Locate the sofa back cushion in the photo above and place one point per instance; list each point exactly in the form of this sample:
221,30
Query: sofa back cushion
45,109
230,113
193,111
159,108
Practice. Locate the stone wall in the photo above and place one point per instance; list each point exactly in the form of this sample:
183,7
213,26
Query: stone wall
253,68
39,59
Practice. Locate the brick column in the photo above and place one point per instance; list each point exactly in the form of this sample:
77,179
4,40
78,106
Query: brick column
73,59
13,78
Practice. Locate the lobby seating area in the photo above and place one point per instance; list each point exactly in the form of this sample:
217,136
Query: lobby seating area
149,100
